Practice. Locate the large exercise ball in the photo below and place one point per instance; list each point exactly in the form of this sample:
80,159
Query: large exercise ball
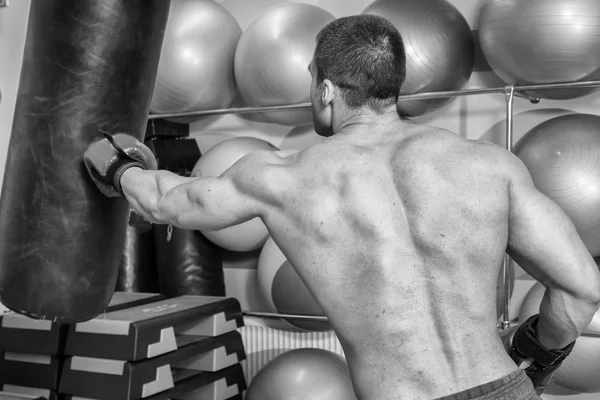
439,44
195,71
523,122
542,41
249,235
303,374
563,157
580,372
272,57
284,291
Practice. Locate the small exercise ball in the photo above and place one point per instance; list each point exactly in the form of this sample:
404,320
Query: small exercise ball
195,71
580,371
284,291
563,158
439,45
272,57
542,41
249,235
303,374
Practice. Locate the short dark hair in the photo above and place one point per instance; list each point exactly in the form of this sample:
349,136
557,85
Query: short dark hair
364,56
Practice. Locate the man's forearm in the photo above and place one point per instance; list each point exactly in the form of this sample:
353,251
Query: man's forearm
563,317
145,189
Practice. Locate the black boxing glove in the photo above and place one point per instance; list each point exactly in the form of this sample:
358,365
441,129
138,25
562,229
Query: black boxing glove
538,362
107,159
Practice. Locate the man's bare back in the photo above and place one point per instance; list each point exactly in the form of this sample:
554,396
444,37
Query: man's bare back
400,235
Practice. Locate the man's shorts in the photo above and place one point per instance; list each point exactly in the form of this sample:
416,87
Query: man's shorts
515,386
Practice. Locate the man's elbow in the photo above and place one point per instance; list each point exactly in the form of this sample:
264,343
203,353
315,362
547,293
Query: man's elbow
593,295
583,287
589,288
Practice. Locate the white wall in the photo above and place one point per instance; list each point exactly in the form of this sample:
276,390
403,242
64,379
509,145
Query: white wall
13,25
472,117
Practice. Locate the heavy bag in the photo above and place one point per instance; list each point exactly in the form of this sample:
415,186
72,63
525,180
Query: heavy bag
137,269
89,65
188,263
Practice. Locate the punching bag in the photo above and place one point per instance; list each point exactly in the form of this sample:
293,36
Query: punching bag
137,269
188,263
88,65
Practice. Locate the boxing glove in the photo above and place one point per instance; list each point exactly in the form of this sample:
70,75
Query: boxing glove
107,159
538,362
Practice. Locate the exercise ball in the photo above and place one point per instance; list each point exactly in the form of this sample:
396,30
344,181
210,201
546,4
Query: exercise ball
531,302
523,122
195,71
246,11
580,371
563,158
439,45
542,41
303,374
249,235
272,57
284,291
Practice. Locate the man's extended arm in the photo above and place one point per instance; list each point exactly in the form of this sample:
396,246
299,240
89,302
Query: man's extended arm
121,165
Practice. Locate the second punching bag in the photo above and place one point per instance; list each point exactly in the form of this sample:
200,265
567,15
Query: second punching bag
88,65
188,263
137,270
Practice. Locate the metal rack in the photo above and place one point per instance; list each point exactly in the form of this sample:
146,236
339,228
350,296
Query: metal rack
509,91
516,90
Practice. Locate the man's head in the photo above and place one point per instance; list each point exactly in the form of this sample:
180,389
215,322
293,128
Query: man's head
359,64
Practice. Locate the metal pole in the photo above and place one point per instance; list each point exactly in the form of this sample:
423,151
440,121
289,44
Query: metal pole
239,110
287,316
591,334
507,265
510,97
270,315
417,96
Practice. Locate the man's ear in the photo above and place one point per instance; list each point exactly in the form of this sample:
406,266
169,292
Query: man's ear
327,92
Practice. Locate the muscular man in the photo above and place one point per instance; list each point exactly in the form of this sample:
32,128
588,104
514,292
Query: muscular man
398,230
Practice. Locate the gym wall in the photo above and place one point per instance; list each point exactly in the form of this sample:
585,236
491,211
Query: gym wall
473,117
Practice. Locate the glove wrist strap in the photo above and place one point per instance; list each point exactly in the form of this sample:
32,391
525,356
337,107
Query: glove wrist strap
526,343
116,171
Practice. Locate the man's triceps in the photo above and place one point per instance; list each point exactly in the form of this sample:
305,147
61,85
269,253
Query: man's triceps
209,204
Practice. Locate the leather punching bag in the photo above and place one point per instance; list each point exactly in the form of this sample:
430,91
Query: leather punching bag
188,263
88,65
137,269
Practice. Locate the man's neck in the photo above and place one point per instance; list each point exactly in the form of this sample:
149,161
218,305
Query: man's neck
365,119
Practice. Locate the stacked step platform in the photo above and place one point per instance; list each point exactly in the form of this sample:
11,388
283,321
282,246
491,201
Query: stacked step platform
143,347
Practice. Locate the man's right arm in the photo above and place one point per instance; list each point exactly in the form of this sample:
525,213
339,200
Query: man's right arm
544,242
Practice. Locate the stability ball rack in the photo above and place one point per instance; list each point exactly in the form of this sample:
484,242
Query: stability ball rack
509,92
